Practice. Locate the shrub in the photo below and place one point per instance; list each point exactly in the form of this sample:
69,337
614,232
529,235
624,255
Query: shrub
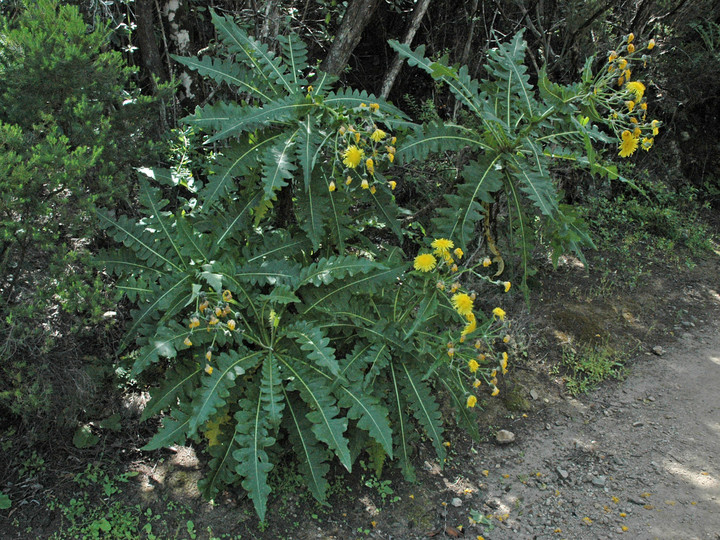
71,127
274,300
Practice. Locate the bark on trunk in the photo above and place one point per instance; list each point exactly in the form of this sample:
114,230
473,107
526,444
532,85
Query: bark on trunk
149,52
348,36
394,71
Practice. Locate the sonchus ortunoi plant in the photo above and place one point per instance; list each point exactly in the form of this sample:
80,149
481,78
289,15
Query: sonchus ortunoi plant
272,298
516,132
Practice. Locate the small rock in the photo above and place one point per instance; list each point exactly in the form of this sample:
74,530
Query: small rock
599,481
109,314
563,473
505,437
658,350
456,502
638,424
534,394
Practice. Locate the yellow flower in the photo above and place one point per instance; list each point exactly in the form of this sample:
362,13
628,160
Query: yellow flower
378,135
622,63
390,150
202,307
391,157
393,185
332,187
495,392
627,74
454,287
342,130
208,355
470,326
213,321
218,311
507,285
630,37
370,166
231,324
424,262
440,285
631,48
486,262
365,184
647,143
458,253
651,44
628,145
374,107
393,140
637,88
506,338
226,295
462,303
655,124
630,105
636,132
504,361
208,369
363,105
613,56
643,106
454,268
493,374
352,156
476,383
499,313
348,181
357,137
194,323
373,190
473,366
442,246
187,342
471,401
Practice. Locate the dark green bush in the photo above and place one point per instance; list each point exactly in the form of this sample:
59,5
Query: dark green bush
72,127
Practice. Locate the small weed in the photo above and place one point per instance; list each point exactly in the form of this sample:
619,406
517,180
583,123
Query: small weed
589,365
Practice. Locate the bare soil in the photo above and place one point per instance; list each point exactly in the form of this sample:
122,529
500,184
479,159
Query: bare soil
636,457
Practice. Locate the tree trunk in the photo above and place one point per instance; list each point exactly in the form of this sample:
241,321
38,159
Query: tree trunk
348,36
394,71
149,52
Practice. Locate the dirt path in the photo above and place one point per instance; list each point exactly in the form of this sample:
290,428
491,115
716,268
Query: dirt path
638,459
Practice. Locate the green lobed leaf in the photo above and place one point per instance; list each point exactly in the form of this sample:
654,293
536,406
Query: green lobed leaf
315,344
215,388
326,425
253,462
312,456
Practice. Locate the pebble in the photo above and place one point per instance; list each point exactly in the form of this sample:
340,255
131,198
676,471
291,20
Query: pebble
534,394
456,502
563,473
599,481
505,437
658,350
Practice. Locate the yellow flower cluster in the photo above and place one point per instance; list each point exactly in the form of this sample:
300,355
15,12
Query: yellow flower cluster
624,98
363,149
213,318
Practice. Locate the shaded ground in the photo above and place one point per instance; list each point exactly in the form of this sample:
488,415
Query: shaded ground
639,453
